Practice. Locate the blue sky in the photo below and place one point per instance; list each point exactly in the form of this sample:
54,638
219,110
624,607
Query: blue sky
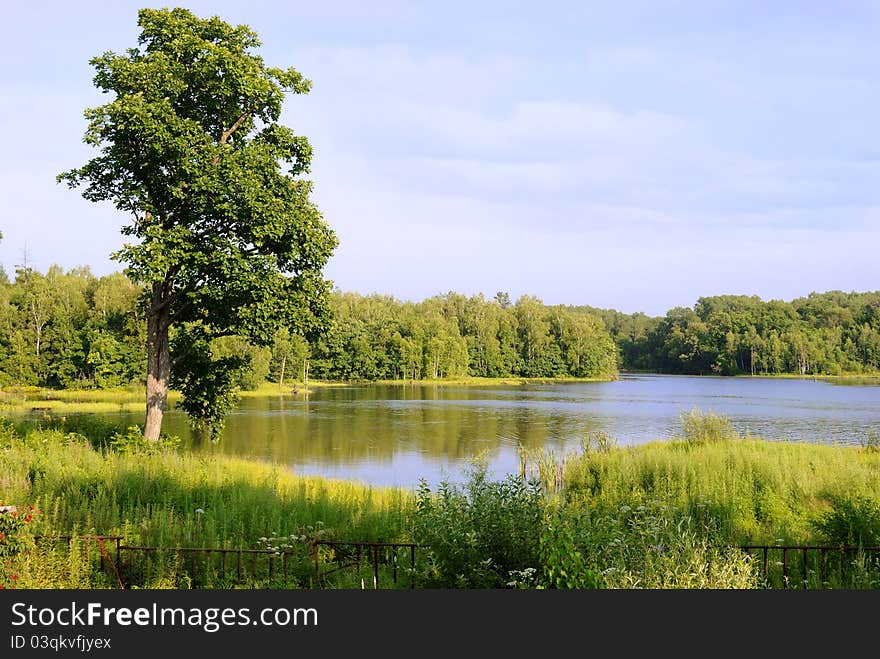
635,155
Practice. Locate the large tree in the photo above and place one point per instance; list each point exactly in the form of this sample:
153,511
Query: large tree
227,240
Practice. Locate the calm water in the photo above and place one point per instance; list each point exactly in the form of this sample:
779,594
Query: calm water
396,434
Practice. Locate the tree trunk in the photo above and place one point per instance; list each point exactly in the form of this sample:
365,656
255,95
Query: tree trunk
158,366
281,377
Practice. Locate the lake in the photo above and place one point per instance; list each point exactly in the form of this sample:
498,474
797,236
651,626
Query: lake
395,435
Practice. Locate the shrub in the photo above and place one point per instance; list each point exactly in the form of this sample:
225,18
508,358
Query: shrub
132,441
698,427
482,534
564,564
15,539
852,521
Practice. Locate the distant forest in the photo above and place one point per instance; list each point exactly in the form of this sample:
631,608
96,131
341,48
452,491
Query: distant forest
73,329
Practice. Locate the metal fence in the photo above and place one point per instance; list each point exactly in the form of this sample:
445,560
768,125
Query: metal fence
817,566
344,564
216,567
377,557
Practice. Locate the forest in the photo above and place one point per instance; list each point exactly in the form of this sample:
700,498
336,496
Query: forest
830,333
74,329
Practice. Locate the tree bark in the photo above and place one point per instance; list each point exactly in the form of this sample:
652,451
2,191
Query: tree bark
158,364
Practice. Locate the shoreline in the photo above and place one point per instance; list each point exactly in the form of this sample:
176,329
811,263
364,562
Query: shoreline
41,399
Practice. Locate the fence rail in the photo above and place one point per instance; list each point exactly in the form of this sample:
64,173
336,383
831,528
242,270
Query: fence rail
805,566
382,563
212,566
352,554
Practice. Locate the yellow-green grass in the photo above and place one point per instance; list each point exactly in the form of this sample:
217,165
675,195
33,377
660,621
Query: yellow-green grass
869,378
290,388
484,382
65,401
176,499
272,388
634,512
131,399
749,490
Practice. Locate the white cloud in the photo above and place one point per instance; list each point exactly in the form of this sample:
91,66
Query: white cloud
633,163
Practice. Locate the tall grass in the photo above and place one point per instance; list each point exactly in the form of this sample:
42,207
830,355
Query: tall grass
173,499
662,514
745,491
710,427
66,401
658,515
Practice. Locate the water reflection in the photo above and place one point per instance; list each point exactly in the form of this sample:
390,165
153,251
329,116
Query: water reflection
397,434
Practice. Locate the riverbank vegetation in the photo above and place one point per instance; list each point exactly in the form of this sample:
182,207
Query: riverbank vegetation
75,330
659,515
828,333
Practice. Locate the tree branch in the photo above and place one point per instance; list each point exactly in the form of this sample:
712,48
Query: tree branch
224,138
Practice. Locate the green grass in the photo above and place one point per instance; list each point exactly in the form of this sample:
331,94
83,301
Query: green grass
173,499
745,490
273,388
866,378
63,401
483,382
657,515
661,515
18,400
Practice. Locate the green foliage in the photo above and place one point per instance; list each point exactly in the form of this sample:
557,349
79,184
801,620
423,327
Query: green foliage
652,516
15,538
289,357
173,499
225,235
69,329
254,368
380,338
745,492
646,545
208,383
711,427
100,342
598,441
564,564
853,521
824,333
132,441
98,429
14,531
479,534
57,565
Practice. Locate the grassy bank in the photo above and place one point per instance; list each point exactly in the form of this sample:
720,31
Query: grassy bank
841,378
131,399
270,388
742,491
488,382
172,499
658,515
61,401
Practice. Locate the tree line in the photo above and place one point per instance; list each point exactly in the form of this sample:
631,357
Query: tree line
75,329
380,338
827,333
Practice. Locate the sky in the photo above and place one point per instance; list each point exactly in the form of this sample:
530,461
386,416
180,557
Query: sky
628,155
